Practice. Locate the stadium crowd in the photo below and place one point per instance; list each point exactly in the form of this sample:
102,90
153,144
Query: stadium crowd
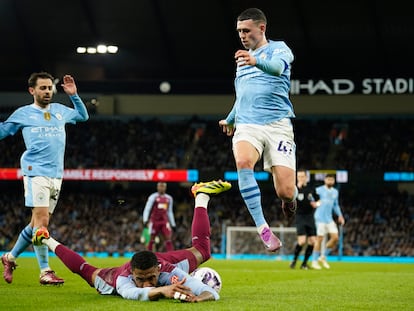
369,144
379,222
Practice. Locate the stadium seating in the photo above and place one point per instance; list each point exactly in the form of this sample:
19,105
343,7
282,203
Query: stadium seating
378,222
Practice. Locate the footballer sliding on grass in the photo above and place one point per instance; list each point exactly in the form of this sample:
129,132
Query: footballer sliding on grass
149,275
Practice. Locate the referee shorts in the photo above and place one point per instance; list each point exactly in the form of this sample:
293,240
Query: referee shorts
305,225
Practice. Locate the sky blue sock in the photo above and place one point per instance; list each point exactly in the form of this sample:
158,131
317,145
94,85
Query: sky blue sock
315,255
42,255
23,241
250,193
328,251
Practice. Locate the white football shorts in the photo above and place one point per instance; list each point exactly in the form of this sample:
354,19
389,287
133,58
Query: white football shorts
40,191
275,142
324,228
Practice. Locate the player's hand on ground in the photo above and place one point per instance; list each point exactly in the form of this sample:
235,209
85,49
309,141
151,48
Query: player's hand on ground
69,85
227,128
178,291
204,296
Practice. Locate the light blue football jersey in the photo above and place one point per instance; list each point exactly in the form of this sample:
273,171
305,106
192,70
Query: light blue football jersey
329,199
262,98
44,135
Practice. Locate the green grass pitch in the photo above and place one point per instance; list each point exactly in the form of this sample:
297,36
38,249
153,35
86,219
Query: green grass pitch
247,285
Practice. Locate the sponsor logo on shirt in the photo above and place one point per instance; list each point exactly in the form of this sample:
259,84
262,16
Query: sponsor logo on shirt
48,130
45,129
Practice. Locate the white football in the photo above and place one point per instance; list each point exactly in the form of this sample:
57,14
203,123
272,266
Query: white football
208,276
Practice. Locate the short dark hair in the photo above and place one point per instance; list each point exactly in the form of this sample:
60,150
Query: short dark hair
144,260
330,175
38,75
254,14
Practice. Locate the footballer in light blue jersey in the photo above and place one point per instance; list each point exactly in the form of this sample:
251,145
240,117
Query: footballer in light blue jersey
260,120
327,205
262,97
43,127
44,135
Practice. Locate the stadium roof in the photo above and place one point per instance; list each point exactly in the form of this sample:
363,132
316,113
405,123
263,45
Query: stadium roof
193,42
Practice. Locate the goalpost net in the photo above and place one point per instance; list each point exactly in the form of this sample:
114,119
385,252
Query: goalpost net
241,241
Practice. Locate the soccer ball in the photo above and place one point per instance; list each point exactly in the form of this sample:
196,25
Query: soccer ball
208,276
